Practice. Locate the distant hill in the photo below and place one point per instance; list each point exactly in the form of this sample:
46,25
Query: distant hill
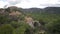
55,10
32,10
51,10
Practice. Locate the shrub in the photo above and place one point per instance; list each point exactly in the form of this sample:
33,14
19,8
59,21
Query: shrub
15,24
21,29
54,28
6,29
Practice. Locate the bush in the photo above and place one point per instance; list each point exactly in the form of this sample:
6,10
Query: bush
4,19
54,28
21,29
15,24
6,29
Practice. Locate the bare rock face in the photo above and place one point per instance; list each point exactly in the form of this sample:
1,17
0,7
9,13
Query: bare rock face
13,13
29,21
32,23
36,23
3,12
12,8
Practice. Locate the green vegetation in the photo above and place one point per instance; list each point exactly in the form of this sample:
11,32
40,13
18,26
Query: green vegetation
6,29
52,22
16,25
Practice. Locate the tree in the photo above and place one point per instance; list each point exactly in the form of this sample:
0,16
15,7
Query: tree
54,28
6,29
21,28
4,19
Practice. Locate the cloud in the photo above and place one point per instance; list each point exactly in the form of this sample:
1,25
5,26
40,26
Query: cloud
13,2
2,4
32,3
29,4
37,3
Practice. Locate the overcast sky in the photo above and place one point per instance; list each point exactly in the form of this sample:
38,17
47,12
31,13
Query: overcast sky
30,3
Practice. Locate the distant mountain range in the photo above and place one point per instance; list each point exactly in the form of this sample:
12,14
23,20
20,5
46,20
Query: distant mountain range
50,10
55,10
32,10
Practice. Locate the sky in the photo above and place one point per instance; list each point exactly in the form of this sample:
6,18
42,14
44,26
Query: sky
30,3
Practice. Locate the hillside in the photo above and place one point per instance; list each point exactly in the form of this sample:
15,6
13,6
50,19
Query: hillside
51,10
54,10
14,20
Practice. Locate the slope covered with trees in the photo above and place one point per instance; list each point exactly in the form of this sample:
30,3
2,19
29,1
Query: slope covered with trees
12,20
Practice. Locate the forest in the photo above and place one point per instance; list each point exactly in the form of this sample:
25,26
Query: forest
12,20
